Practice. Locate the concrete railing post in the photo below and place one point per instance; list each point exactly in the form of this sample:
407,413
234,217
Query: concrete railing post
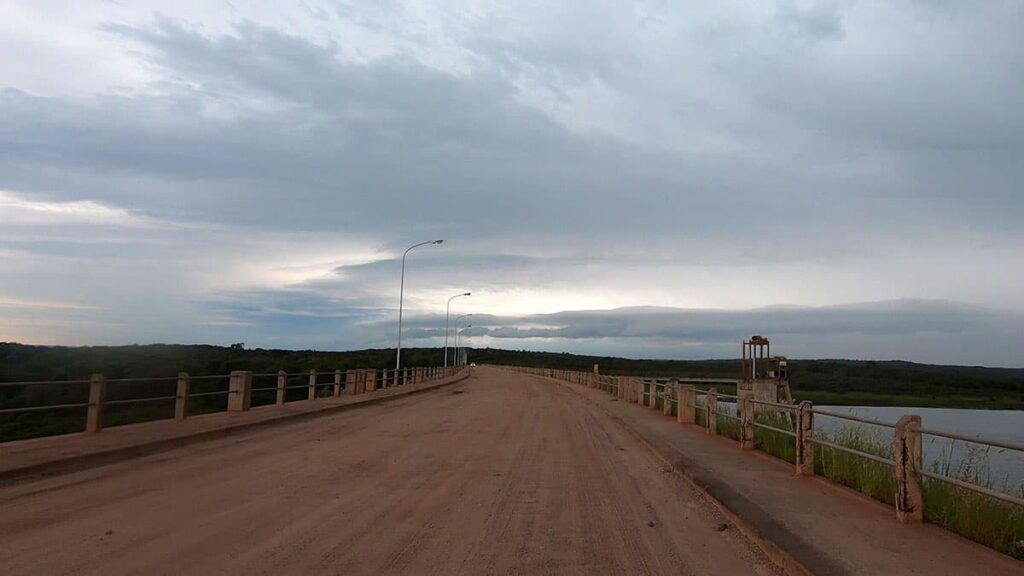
666,402
712,411
371,379
350,382
907,453
97,395
746,423
337,383
282,384
239,391
804,439
181,397
684,407
312,385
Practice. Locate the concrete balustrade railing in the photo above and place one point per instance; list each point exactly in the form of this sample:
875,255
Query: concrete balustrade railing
239,390
674,396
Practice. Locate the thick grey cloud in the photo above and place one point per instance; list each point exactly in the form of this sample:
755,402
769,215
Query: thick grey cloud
250,173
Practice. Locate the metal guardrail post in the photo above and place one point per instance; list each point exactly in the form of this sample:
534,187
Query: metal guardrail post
805,439
906,451
712,411
239,391
282,382
746,407
181,396
97,395
337,383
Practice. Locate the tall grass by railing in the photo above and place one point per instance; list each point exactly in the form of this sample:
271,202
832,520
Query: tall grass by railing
983,519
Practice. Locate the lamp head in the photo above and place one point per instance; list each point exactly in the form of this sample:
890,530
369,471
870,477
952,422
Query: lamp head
438,241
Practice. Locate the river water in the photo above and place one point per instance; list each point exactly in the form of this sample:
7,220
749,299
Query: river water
1006,467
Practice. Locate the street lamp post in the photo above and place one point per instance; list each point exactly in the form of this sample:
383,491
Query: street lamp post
401,297
455,361
465,345
446,330
457,332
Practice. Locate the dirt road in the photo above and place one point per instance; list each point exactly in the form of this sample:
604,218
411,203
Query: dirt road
500,474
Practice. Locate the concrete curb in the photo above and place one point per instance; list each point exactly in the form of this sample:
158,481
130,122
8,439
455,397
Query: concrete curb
96,459
780,551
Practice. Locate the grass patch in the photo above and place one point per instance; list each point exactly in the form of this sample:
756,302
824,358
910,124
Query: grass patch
779,445
727,426
985,520
871,478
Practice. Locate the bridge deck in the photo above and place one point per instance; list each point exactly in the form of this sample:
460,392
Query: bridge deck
497,474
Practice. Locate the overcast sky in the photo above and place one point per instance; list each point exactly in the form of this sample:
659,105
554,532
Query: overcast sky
651,179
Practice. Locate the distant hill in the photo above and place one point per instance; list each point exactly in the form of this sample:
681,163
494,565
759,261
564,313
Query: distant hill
845,382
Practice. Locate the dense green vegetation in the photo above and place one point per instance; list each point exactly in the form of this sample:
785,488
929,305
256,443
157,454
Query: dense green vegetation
20,363
822,381
839,382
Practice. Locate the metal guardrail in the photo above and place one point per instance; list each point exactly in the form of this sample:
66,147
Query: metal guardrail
975,439
854,451
240,385
974,488
855,418
774,429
